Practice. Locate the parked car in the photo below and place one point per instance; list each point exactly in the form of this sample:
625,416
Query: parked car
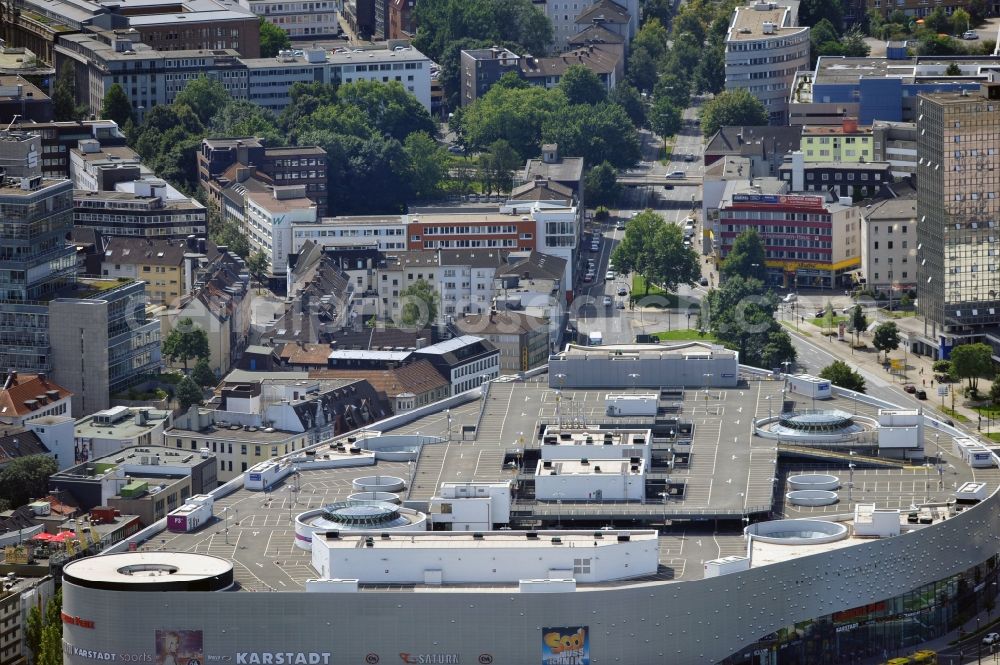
622,291
620,225
689,157
609,275
588,277
607,301
703,281
971,34
910,388
991,638
621,304
921,394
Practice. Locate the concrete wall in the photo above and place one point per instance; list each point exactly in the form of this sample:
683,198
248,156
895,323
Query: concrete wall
78,333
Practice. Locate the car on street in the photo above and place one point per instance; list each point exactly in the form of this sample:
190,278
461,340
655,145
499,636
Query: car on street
687,243
676,175
607,301
588,277
970,34
620,226
689,157
791,297
621,304
622,291
456,150
921,394
910,388
611,266
991,638
609,275
703,281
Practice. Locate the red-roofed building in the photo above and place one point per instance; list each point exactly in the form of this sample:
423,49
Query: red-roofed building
27,396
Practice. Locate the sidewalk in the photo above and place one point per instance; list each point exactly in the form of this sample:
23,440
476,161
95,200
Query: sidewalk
919,371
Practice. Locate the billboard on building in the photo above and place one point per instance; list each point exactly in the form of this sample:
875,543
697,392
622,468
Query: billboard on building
179,647
566,645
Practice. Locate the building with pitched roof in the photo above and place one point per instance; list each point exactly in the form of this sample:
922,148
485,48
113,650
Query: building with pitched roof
160,263
522,339
764,145
466,361
27,396
546,71
409,386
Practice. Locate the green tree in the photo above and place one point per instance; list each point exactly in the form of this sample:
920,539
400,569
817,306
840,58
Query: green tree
258,266
732,108
116,106
272,39
601,185
581,86
64,97
886,337
687,21
243,118
188,393
953,70
741,315
596,133
656,250
440,22
779,348
496,167
168,141
419,304
388,107
812,12
205,96
710,74
746,258
26,478
936,45
675,87
33,633
664,118
513,114
938,21
840,374
50,642
202,374
429,164
995,392
652,37
972,362
859,322
186,341
627,97
641,70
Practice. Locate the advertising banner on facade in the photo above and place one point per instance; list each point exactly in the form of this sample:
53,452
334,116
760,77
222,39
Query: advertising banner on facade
179,647
566,645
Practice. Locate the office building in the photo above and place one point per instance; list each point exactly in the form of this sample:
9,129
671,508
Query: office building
59,138
268,223
958,139
301,20
863,179
401,24
846,142
522,339
22,100
18,595
765,46
101,341
809,241
148,208
384,232
222,161
105,433
466,362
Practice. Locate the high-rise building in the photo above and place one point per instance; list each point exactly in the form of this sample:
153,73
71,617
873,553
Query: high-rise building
958,267
35,261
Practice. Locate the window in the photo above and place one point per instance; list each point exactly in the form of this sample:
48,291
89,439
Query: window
581,566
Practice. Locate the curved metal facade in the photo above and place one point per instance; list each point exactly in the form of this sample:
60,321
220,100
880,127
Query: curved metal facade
702,621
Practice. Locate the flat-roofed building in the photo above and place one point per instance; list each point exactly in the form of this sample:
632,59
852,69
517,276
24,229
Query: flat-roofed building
149,211
489,557
694,365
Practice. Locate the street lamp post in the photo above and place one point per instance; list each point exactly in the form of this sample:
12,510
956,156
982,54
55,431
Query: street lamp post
850,482
225,512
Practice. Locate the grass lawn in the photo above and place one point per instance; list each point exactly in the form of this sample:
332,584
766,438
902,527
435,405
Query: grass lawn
954,414
823,323
995,436
791,327
684,334
639,292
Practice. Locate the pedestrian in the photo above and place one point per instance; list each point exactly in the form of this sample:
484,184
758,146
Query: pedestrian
923,382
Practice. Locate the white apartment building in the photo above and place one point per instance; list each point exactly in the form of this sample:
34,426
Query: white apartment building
270,80
388,233
569,17
301,20
889,244
765,47
269,218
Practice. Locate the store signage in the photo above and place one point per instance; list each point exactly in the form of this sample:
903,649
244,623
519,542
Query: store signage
430,658
76,621
283,658
255,477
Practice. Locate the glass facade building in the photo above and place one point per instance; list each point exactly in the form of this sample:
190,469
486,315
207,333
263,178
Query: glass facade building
958,155
890,628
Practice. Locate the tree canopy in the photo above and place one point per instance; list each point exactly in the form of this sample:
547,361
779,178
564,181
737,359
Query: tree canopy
186,341
886,337
116,106
188,393
272,39
664,117
601,185
732,108
740,314
419,304
655,249
205,96
972,362
64,97
26,478
582,86
840,374
202,374
441,22
746,258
